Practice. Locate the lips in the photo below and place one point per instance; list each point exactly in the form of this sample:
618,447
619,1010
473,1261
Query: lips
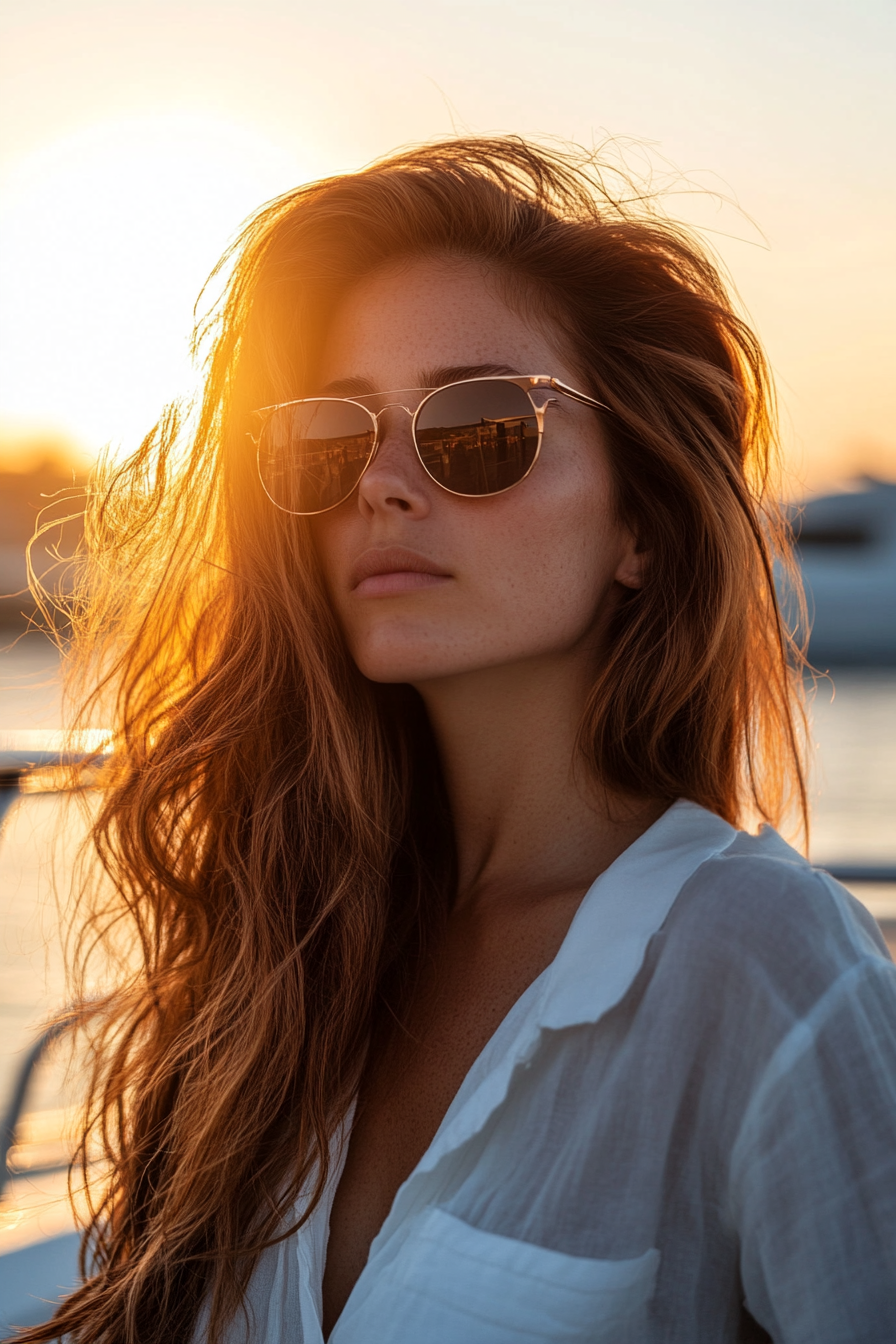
388,564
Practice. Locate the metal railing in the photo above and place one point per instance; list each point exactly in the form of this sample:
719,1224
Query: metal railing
16,1105
861,872
32,761
35,757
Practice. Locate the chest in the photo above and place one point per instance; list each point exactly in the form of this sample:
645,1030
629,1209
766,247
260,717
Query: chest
480,969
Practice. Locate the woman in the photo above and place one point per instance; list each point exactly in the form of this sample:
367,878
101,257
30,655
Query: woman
469,1007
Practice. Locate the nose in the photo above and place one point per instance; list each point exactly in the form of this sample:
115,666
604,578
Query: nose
395,481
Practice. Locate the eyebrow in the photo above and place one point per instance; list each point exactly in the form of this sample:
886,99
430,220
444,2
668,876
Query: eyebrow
436,377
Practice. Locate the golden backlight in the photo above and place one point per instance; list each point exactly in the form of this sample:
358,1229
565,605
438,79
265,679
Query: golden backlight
107,234
106,238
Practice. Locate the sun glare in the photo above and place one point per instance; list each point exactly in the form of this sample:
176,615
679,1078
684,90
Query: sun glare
107,237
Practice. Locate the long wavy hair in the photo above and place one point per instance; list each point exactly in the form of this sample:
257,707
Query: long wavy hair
273,828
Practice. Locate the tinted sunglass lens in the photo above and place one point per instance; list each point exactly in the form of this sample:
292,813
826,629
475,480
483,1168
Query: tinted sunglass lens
478,438
312,455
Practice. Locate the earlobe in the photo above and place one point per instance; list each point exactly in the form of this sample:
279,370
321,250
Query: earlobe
633,563
631,568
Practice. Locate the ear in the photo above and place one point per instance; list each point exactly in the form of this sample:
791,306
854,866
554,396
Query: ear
632,564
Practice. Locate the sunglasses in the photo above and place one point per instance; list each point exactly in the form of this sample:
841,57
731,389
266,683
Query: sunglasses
477,437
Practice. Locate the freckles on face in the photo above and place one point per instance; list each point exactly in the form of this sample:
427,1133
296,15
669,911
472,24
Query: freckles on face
518,575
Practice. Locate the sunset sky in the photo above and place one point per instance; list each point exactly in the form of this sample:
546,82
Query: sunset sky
137,136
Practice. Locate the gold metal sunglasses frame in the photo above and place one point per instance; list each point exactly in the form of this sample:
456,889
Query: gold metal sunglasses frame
530,383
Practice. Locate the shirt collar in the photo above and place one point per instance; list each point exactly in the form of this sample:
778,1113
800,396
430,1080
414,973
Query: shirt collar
622,910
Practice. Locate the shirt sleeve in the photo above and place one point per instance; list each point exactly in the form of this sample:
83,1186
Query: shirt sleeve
813,1173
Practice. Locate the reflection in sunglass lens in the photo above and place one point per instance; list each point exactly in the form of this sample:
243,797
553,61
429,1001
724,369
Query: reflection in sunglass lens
312,455
478,438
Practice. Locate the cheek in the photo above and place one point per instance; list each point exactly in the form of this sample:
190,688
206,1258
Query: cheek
552,567
330,537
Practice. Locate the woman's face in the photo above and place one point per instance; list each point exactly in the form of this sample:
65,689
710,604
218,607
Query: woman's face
429,585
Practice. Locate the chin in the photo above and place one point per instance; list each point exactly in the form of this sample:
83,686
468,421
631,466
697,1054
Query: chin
391,650
392,670
393,659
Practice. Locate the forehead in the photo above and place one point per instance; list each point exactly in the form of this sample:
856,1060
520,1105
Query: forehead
416,315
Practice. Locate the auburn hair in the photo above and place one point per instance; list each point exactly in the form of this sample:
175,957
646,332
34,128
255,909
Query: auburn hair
273,828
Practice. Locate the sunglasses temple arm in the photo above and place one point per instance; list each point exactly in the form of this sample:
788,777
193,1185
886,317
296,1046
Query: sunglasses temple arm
577,396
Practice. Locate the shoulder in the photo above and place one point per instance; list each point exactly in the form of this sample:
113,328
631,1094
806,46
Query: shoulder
761,899
768,976
766,939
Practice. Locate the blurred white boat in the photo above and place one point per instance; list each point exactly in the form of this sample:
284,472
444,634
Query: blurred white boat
846,548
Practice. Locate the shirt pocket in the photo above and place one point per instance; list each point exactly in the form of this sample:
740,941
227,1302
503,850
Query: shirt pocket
459,1285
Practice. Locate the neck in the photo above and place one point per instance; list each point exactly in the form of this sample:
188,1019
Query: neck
528,817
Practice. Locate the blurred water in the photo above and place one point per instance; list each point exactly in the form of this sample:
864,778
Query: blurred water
854,770
854,818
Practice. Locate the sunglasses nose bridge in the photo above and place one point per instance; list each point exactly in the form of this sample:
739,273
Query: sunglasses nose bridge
391,406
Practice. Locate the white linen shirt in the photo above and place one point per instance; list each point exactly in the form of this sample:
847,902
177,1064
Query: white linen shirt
684,1130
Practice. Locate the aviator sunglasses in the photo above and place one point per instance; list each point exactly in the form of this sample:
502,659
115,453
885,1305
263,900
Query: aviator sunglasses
480,436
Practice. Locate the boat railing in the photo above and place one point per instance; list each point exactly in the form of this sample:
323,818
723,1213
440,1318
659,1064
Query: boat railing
15,1109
